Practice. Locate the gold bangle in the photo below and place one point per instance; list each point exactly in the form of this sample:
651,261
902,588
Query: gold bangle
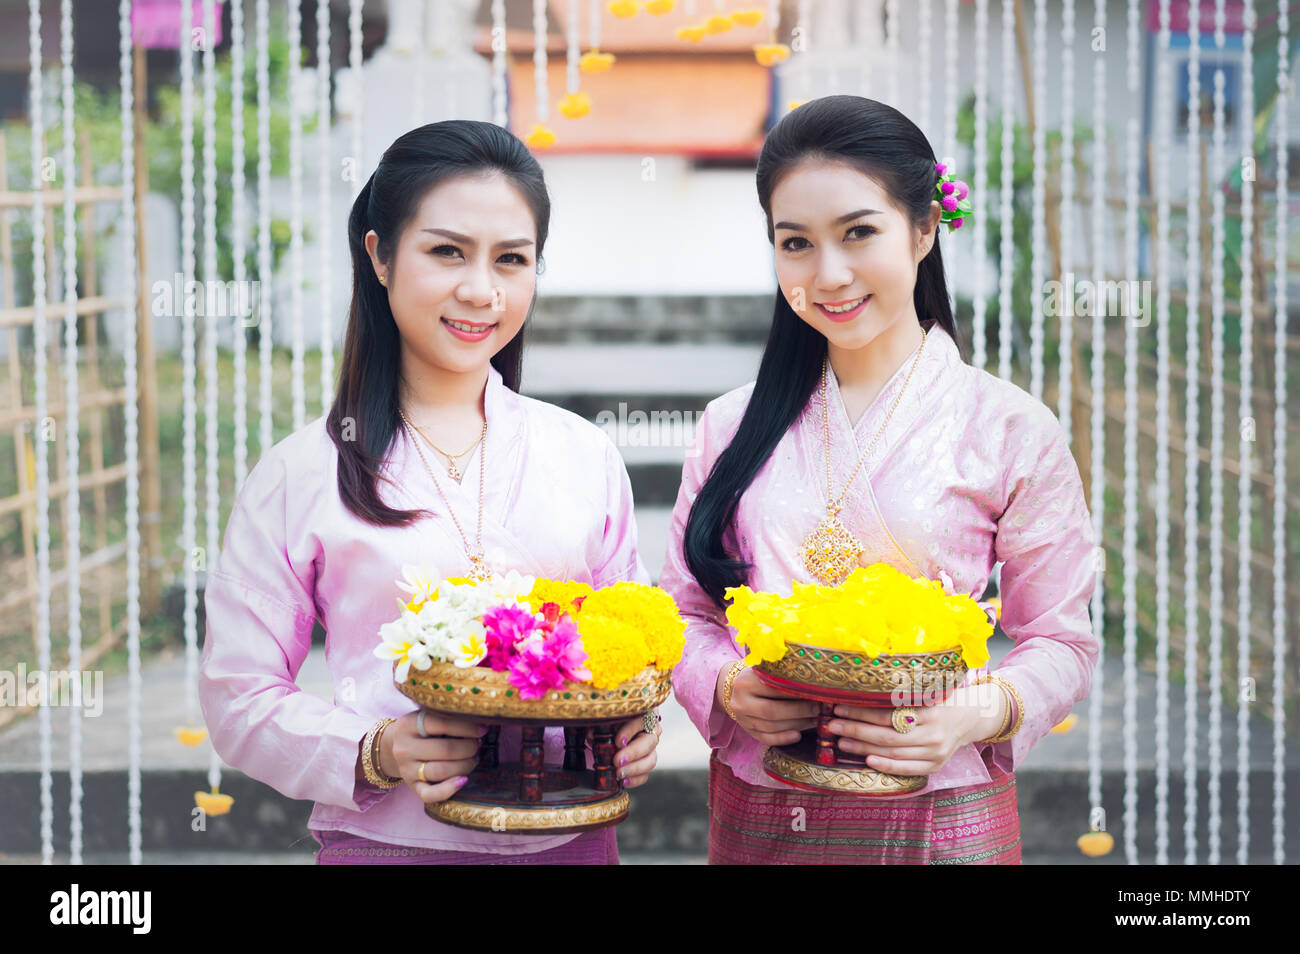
379,751
727,683
1003,734
374,776
1006,716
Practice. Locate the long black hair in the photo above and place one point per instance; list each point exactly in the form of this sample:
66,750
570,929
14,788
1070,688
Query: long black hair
884,144
364,418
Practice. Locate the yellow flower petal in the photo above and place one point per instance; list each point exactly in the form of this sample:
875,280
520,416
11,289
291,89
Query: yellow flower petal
623,8
747,18
213,802
770,54
659,7
575,105
594,61
718,24
540,137
1066,724
1096,843
692,34
190,735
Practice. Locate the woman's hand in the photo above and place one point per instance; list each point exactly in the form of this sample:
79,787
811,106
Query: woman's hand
635,756
939,731
769,715
448,757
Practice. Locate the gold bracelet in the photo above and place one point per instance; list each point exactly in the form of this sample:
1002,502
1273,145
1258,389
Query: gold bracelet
379,752
727,683
1006,717
1002,735
373,776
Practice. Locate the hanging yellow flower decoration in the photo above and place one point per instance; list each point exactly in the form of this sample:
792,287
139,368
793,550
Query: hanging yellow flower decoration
1096,843
770,54
747,18
540,137
876,610
190,735
1066,724
213,802
623,8
594,61
718,24
795,104
692,34
660,7
575,105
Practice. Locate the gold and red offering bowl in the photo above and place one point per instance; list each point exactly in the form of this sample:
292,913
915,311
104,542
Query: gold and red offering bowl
836,676
531,797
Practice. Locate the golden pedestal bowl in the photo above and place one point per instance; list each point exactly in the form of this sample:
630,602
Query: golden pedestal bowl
832,676
530,797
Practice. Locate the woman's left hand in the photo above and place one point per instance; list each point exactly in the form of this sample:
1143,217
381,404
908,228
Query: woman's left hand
938,732
635,755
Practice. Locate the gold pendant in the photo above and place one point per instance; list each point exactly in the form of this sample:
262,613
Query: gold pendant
831,552
454,472
478,569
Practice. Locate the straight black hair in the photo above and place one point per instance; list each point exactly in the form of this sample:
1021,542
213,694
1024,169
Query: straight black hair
884,144
364,418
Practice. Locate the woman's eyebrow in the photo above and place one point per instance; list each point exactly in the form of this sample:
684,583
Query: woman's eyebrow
466,240
796,227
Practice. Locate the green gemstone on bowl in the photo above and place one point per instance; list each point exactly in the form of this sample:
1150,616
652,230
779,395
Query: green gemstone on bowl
566,695
624,692
930,660
916,662
835,659
817,655
474,690
449,688
896,662
510,692
857,661
802,651
875,662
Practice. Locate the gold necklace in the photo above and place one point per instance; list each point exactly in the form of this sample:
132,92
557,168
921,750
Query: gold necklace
453,468
478,568
831,551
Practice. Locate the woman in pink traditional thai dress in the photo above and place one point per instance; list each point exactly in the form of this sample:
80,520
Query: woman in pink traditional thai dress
955,470
429,456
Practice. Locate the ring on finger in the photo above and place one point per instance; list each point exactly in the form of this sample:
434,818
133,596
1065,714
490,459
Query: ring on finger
650,720
419,725
420,773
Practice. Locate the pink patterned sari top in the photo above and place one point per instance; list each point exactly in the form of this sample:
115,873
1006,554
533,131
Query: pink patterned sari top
970,471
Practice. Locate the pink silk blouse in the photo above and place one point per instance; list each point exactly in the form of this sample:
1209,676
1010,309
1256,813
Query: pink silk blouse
557,504
970,470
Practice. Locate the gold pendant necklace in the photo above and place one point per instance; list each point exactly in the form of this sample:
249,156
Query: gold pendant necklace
479,569
831,551
453,460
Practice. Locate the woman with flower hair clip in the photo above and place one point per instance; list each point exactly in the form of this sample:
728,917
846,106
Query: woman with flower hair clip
429,457
867,430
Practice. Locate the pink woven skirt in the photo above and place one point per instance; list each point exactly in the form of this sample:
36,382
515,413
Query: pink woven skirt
597,847
749,824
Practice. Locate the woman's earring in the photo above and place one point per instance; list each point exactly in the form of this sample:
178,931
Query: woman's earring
383,280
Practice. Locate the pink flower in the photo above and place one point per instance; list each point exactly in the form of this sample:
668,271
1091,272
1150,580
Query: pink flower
534,670
949,203
940,168
564,644
963,190
506,626
955,223
947,188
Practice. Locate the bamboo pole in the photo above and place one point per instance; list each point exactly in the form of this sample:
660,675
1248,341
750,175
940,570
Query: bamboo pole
152,558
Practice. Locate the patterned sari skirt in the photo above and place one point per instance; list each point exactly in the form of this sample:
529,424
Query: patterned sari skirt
343,848
748,825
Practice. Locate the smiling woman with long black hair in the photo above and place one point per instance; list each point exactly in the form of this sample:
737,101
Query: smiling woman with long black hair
864,411
429,457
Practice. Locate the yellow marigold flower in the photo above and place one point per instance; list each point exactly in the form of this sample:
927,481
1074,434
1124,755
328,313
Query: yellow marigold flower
747,18
770,54
692,34
562,592
615,651
594,61
647,609
575,105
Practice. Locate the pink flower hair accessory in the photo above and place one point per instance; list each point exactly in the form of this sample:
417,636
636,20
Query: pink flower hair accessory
951,194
